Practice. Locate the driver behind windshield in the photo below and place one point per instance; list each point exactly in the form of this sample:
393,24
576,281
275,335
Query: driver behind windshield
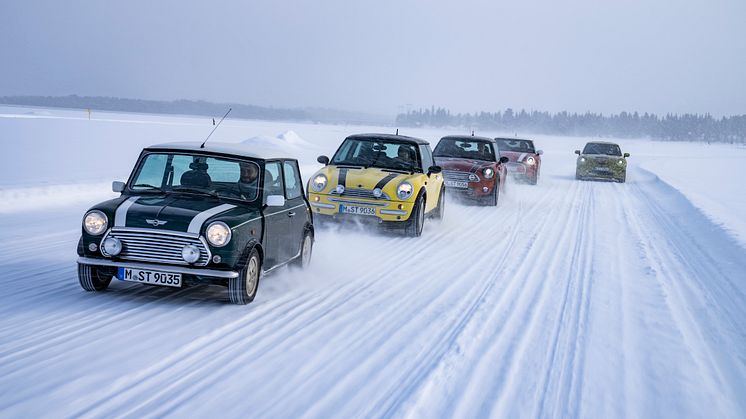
248,182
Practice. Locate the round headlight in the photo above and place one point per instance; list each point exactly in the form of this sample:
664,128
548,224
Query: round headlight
488,173
377,192
112,246
218,234
319,183
404,190
620,162
190,253
530,160
582,159
95,222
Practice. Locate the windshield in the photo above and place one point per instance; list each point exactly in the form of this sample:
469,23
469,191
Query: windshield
520,146
378,153
465,149
600,148
197,174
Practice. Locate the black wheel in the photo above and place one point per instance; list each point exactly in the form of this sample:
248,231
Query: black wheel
417,219
532,180
441,208
306,249
623,179
242,289
93,278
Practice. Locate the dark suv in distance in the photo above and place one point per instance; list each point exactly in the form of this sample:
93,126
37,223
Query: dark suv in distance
189,214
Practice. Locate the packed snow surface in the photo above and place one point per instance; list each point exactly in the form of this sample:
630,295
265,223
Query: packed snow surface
571,299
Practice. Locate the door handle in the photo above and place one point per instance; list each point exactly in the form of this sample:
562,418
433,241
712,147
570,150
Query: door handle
291,214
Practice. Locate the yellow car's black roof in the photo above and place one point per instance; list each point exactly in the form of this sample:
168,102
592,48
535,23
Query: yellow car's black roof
388,137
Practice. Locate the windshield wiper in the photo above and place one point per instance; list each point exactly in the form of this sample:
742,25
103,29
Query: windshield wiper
151,187
195,191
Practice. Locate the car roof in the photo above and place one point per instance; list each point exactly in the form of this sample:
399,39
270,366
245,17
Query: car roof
468,137
233,149
601,142
388,137
513,139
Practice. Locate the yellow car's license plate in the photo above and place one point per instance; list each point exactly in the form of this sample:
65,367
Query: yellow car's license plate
354,209
168,279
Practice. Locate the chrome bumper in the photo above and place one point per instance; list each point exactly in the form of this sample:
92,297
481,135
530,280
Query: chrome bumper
158,267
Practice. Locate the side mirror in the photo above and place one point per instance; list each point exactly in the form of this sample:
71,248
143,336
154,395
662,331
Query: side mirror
117,186
539,152
323,160
434,169
504,159
275,201
626,154
577,152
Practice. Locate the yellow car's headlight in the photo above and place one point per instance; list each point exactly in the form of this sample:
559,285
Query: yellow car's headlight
319,183
404,191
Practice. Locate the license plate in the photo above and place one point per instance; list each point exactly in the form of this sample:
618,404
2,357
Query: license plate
353,209
516,168
456,184
149,277
602,169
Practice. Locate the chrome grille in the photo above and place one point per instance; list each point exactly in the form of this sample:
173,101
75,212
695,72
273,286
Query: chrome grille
158,246
361,193
458,176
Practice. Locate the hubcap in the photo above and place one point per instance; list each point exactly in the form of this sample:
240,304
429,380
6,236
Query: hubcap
306,252
252,273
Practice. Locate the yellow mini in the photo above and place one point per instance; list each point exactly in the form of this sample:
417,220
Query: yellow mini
390,180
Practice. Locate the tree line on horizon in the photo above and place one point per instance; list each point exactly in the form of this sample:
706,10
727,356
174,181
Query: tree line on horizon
685,127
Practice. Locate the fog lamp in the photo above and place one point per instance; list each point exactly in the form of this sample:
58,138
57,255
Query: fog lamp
190,253
112,246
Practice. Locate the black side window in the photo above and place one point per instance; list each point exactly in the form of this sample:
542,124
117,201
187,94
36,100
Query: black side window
273,184
292,180
427,157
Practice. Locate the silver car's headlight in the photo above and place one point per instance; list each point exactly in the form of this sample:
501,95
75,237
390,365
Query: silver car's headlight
530,160
488,173
95,222
582,159
218,234
319,183
404,190
620,162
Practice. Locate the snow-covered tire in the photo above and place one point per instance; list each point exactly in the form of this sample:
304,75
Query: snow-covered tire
242,289
492,199
533,180
416,221
306,250
93,278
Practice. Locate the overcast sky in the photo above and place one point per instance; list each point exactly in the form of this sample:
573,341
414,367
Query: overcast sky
382,56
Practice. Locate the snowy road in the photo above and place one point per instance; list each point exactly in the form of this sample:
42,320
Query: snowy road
571,299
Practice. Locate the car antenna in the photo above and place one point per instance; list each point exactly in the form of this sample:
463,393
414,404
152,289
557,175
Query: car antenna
397,131
216,127
472,133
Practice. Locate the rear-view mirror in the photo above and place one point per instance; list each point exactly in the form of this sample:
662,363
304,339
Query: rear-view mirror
626,154
504,159
275,201
577,152
323,160
434,169
117,186
539,152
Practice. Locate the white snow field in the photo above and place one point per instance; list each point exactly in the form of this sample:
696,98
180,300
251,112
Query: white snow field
571,299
